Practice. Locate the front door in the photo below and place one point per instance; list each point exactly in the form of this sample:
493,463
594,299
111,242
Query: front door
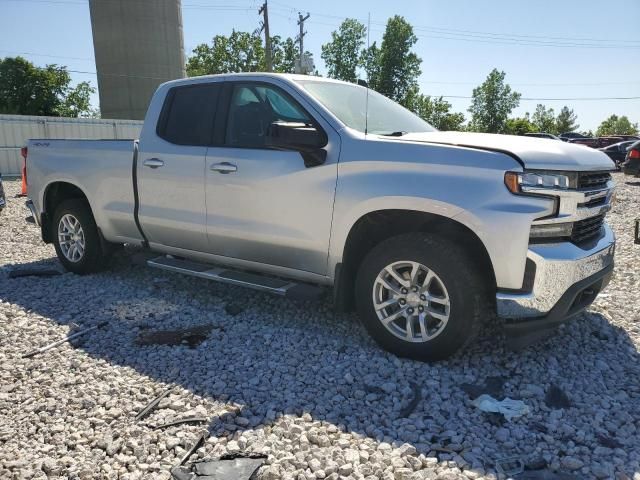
171,168
265,205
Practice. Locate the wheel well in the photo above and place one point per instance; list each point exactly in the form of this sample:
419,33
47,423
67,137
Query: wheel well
56,193
375,227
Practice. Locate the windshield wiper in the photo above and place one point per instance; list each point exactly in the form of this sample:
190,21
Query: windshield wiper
399,133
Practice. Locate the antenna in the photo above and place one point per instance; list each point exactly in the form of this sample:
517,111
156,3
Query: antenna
366,107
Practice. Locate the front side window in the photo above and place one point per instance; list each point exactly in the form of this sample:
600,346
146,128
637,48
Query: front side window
349,103
188,114
254,108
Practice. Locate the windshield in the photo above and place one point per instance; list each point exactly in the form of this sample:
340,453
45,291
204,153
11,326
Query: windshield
349,103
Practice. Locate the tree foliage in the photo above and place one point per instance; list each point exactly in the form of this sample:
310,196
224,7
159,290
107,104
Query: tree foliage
519,125
393,68
615,125
434,110
241,52
566,121
26,89
342,55
544,119
491,104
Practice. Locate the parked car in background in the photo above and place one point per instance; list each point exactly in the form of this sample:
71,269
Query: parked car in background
631,165
3,201
565,137
283,183
618,151
588,141
629,137
542,135
599,142
608,140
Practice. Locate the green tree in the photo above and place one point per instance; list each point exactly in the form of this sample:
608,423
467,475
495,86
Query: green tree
519,125
284,54
370,58
566,121
241,52
29,90
342,54
434,110
544,119
398,68
491,104
615,125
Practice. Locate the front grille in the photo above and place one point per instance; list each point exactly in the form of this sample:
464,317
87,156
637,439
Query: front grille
593,179
584,230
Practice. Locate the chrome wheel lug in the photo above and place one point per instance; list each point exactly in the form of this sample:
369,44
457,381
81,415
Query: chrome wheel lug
415,289
423,298
404,291
409,310
402,301
421,309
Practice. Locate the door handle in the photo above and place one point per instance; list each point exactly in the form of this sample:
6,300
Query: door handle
224,167
153,163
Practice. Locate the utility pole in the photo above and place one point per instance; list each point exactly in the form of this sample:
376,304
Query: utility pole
267,39
300,38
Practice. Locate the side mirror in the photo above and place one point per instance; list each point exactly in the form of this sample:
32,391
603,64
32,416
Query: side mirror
308,140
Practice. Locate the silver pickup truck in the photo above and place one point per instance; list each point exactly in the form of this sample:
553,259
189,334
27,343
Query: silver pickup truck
290,184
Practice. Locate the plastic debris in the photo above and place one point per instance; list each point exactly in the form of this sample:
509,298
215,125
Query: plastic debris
37,351
556,398
544,475
228,467
509,408
34,272
191,336
181,421
510,466
411,406
492,386
152,404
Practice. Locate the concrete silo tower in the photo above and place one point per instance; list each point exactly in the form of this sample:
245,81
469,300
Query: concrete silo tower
138,45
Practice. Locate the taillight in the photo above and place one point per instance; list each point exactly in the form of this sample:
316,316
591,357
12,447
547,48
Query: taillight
634,153
23,152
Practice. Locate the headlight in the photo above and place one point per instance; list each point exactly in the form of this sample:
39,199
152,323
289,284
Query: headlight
516,180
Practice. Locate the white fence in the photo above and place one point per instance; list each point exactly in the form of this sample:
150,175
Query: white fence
15,130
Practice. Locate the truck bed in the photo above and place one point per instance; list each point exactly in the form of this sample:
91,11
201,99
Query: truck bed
102,169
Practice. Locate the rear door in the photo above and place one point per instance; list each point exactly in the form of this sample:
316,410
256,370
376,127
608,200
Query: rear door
265,205
171,166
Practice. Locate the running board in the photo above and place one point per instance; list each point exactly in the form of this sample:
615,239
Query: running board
275,285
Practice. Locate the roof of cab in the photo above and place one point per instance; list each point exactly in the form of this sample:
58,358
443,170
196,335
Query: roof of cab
248,75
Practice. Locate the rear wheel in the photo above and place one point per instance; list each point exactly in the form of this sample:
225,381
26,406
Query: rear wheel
76,238
419,296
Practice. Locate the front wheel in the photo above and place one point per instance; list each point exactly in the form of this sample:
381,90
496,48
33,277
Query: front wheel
419,296
76,238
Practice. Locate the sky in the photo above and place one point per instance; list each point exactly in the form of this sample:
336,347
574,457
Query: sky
584,50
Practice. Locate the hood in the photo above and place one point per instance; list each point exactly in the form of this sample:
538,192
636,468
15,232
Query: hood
535,153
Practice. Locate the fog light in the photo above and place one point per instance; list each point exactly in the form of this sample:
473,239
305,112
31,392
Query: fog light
551,230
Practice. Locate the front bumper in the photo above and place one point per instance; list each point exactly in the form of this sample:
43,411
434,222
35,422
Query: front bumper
567,279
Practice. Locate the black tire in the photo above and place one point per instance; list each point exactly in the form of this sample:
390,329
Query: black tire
93,257
458,273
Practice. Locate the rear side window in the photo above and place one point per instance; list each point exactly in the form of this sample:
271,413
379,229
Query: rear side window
188,114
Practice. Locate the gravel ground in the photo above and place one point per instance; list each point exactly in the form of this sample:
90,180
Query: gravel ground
296,381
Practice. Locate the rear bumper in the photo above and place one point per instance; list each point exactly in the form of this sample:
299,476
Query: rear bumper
33,211
631,167
567,279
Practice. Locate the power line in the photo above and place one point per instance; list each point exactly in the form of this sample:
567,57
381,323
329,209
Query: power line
549,99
